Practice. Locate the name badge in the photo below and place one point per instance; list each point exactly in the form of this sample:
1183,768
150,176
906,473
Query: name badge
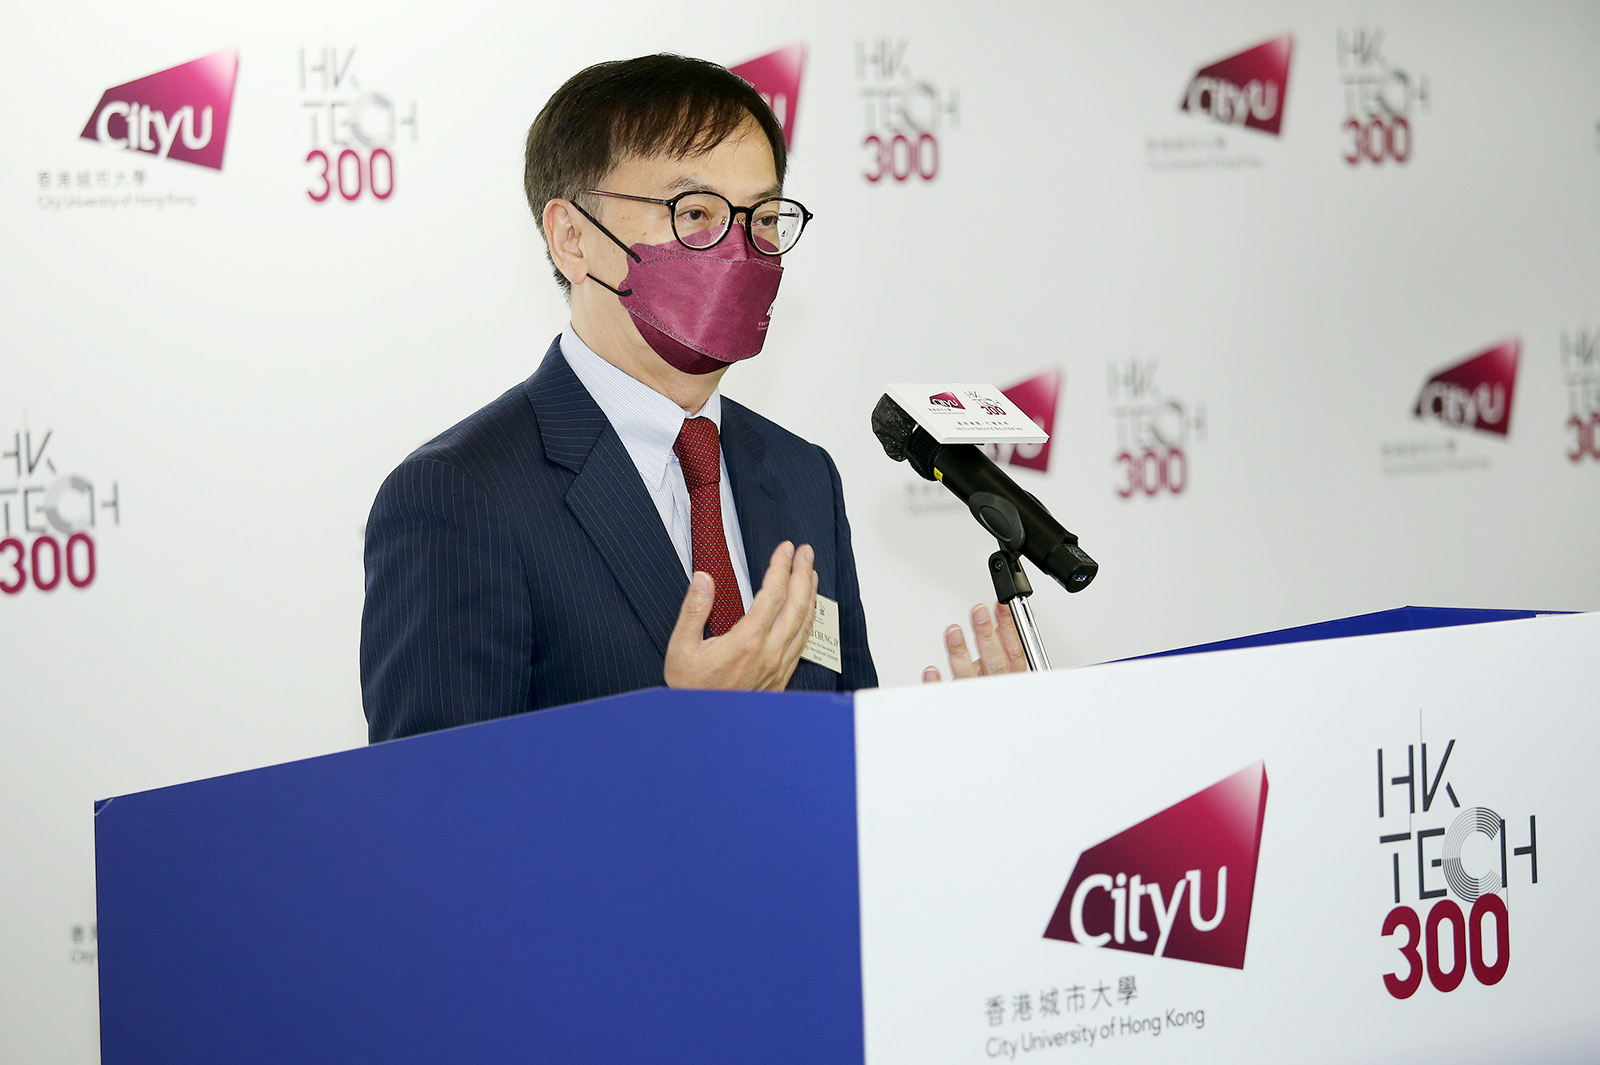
823,646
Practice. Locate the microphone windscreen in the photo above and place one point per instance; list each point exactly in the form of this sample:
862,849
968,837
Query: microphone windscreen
893,427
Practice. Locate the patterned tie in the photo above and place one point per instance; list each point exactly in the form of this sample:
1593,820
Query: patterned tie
699,455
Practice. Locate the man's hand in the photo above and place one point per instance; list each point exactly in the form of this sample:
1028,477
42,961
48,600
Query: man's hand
762,649
999,647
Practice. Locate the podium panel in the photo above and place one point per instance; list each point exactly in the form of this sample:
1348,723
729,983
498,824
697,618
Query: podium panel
663,876
1042,873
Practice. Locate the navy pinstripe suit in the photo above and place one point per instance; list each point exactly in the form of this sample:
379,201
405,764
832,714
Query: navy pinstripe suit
516,561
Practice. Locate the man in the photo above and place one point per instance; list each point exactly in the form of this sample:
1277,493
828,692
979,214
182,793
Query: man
596,529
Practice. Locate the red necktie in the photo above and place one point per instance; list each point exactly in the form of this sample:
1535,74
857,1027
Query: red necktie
700,456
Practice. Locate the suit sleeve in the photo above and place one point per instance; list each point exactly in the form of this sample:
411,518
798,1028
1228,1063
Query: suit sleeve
447,630
858,670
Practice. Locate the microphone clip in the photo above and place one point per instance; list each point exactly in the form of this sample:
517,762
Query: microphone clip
999,516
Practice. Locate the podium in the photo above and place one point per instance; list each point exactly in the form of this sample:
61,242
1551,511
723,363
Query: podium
1394,833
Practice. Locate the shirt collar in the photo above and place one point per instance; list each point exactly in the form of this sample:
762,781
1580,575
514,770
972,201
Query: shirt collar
647,421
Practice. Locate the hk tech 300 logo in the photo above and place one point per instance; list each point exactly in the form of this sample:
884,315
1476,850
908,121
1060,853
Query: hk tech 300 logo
1176,885
909,116
1580,374
1156,432
1381,101
1457,919
355,130
50,517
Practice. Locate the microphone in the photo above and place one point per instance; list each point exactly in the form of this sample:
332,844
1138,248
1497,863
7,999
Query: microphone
967,472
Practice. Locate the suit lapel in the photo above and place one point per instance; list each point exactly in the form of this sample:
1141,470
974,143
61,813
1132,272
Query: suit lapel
607,497
758,495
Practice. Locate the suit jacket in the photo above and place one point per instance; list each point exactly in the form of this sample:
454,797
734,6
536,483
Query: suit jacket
516,561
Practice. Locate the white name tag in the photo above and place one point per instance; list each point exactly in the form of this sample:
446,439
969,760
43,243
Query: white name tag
823,647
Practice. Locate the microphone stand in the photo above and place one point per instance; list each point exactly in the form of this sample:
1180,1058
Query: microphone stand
1011,584
1012,588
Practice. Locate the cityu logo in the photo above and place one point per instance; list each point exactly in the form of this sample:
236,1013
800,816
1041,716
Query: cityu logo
776,76
947,400
1036,398
1178,885
1476,393
180,113
1247,89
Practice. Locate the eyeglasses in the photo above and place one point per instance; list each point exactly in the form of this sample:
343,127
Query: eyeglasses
701,219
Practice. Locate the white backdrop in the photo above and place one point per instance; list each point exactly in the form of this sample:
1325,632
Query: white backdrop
231,367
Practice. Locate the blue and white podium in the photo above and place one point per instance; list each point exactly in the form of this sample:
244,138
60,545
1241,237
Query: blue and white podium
1357,849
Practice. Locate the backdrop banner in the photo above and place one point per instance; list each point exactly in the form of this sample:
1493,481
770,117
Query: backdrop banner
1305,298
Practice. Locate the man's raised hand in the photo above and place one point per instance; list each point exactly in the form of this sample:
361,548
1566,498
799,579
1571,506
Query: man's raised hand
762,649
999,646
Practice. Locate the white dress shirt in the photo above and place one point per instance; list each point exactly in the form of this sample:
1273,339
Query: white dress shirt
648,424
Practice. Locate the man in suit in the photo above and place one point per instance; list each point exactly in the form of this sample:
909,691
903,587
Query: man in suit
596,529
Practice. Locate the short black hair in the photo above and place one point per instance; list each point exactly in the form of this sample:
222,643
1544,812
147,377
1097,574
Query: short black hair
653,105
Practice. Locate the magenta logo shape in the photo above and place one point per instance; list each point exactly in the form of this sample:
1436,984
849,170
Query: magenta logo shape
947,400
180,113
1475,393
776,76
1036,397
1247,89
1177,885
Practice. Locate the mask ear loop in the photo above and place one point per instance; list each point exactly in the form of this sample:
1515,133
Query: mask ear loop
629,251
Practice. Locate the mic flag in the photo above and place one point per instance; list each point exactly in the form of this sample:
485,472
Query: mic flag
966,471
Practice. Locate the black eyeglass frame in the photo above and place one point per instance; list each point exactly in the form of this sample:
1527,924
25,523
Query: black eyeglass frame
733,213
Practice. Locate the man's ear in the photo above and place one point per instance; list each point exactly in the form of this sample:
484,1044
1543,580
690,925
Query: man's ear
563,233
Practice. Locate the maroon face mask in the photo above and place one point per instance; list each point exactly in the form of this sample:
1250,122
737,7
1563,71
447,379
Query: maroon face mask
699,309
